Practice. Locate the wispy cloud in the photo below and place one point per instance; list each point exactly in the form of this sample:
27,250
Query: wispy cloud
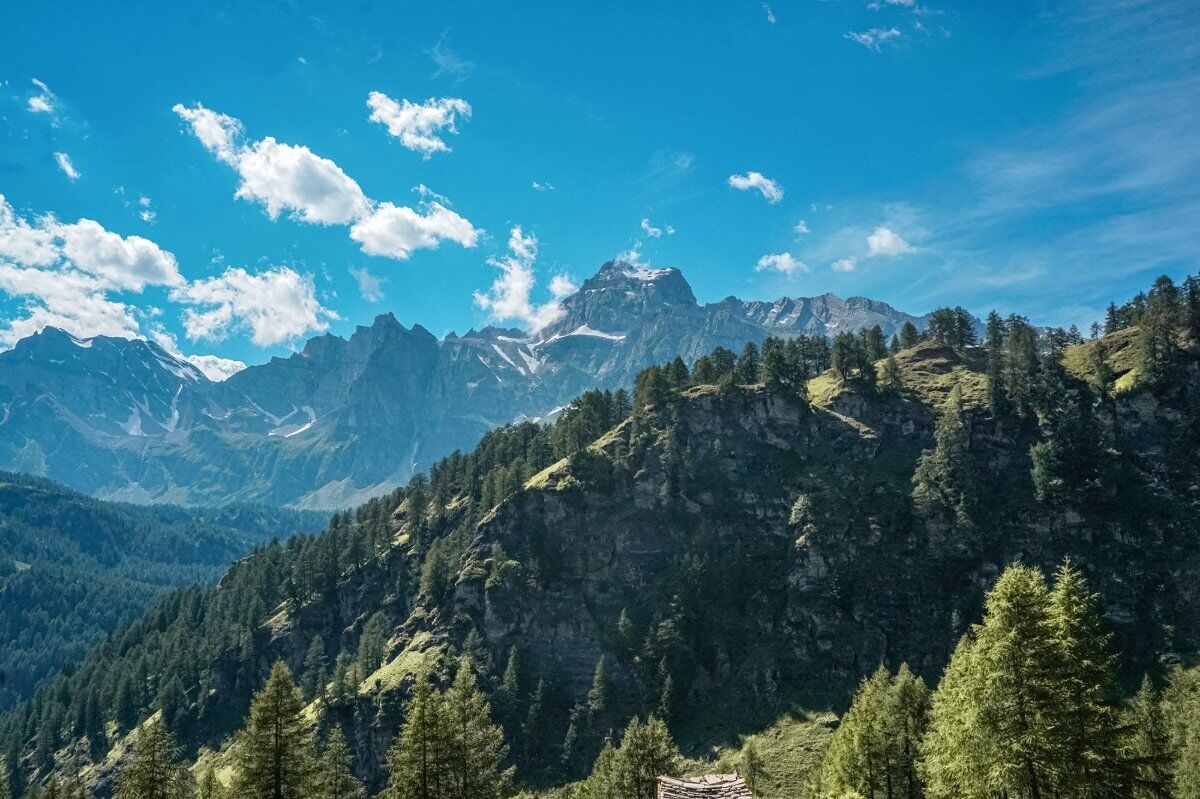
64,163
874,38
449,63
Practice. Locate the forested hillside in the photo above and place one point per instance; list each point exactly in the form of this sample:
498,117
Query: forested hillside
72,569
740,537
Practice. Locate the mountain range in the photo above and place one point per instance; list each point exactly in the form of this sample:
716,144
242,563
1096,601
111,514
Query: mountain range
342,420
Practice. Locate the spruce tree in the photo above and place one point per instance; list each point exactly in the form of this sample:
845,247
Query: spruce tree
909,336
335,774
274,756
891,380
155,771
474,750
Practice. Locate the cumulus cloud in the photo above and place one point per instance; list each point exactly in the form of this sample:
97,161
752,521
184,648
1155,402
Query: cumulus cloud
68,169
395,231
286,177
874,38
769,189
43,101
540,186
274,306
885,242
509,299
71,275
65,272
801,228
370,287
782,262
418,125
848,264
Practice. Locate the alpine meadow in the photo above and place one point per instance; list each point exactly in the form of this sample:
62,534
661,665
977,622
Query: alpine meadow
865,466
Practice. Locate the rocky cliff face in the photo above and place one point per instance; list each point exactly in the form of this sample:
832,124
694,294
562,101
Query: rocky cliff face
346,419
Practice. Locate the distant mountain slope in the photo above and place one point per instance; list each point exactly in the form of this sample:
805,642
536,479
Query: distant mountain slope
345,419
73,568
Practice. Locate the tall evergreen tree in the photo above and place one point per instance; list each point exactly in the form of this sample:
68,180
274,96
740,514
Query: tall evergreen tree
1147,745
335,774
909,336
944,481
416,762
1085,709
155,771
273,755
994,349
474,750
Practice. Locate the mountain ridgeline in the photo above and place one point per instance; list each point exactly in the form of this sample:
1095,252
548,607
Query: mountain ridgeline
740,536
344,420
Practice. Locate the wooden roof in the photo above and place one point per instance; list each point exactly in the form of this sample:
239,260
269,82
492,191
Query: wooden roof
709,786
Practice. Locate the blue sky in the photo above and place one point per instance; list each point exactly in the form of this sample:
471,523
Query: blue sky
210,174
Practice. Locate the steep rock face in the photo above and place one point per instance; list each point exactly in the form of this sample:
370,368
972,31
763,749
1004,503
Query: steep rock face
346,419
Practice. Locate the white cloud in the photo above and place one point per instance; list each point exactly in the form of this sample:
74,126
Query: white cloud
147,214
539,186
781,262
64,163
396,231
214,367
885,242
129,263
286,177
44,101
770,14
275,306
801,228
417,125
67,299
874,38
848,264
509,295
370,287
219,133
756,180
653,232
68,274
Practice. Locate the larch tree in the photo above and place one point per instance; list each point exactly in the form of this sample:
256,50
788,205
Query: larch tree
156,770
273,756
994,715
1147,745
335,771
416,762
474,750
1086,713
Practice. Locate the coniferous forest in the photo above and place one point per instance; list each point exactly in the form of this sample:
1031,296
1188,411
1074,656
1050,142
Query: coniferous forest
940,564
